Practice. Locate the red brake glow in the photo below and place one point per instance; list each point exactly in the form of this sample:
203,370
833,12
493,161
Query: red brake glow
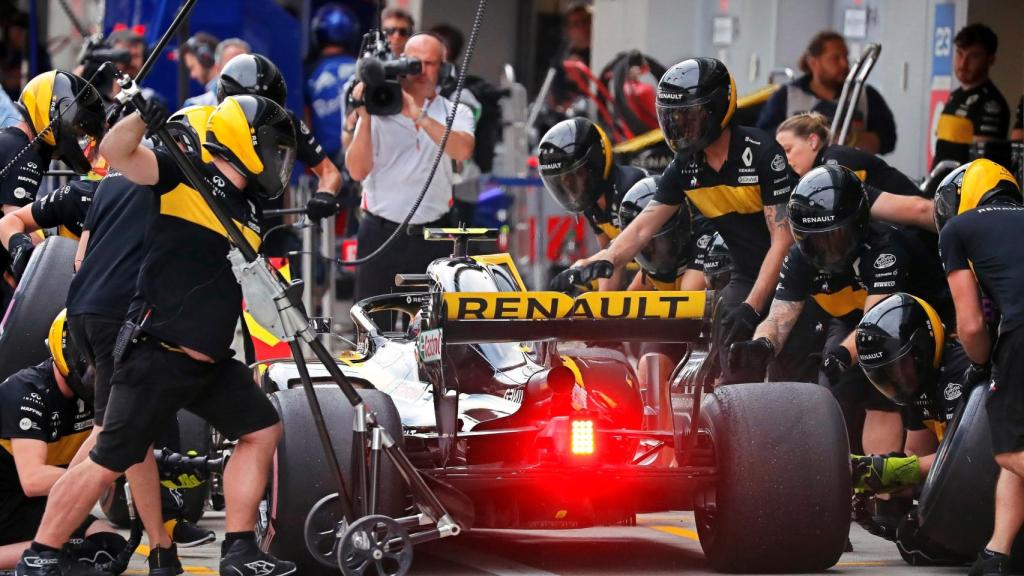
582,437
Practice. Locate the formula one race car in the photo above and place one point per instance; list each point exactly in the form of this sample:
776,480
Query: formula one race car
512,427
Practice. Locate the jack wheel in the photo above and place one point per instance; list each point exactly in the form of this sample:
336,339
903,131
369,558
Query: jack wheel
378,542
323,529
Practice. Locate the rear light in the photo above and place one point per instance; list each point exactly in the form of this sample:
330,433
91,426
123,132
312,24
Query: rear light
582,437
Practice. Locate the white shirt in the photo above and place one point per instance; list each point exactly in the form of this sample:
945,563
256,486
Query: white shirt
402,156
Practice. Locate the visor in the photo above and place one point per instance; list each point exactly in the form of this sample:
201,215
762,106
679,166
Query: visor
829,250
945,204
277,153
575,188
686,125
898,379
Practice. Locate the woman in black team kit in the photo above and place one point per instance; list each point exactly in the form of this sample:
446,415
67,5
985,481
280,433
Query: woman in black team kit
892,195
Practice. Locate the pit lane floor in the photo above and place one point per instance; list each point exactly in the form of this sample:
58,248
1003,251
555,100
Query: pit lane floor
660,544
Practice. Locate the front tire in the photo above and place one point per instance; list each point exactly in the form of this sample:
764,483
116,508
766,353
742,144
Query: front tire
782,500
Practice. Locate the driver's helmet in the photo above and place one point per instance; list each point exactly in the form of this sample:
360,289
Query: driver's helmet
664,256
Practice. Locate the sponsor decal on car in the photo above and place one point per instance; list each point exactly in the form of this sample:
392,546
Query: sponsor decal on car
429,344
592,305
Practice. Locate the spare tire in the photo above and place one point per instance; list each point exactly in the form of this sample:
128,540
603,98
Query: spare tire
301,477
40,296
782,499
957,507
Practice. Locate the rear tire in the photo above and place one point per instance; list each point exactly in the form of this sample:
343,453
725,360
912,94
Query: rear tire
301,476
41,294
782,501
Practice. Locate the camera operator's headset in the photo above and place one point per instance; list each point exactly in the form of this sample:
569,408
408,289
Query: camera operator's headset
202,51
447,69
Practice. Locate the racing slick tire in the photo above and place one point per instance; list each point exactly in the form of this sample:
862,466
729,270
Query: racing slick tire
782,499
301,477
957,506
194,434
40,296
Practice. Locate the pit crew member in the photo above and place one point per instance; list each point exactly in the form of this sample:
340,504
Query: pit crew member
735,176
175,347
45,415
846,264
981,236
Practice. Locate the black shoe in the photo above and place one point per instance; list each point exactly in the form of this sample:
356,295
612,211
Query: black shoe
165,562
53,564
186,534
988,564
244,558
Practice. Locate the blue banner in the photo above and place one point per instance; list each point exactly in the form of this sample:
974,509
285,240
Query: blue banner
942,43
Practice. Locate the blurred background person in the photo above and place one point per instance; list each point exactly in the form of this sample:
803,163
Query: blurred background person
825,64
225,51
578,23
398,25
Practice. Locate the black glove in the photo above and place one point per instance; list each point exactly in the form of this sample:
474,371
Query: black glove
154,115
572,278
738,323
751,354
834,362
974,375
322,205
20,248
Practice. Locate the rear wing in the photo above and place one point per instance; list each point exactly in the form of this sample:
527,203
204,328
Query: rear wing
472,317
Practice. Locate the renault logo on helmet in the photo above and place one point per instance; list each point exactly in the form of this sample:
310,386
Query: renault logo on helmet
551,166
662,95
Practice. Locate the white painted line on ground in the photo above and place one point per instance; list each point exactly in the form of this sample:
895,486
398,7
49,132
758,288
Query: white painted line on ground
489,563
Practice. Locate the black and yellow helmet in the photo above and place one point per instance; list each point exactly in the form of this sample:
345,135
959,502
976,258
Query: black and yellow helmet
575,158
68,124
899,346
696,100
68,359
252,74
257,138
828,216
971,185
188,128
664,256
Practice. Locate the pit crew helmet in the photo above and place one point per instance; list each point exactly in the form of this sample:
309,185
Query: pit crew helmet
717,264
899,346
257,138
665,254
68,358
334,24
252,74
575,160
696,100
974,184
48,101
828,215
188,128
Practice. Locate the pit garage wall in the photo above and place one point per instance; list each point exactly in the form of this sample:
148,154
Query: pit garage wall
771,34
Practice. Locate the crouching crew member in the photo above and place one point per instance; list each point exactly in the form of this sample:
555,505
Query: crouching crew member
847,264
45,415
735,176
175,351
575,158
981,236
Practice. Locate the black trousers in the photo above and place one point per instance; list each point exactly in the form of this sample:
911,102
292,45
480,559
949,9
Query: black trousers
409,253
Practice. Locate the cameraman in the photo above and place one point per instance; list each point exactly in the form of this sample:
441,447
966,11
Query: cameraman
392,156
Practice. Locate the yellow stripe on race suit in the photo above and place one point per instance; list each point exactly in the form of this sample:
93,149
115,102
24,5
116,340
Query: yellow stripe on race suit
664,286
185,203
843,302
716,201
608,230
862,174
58,453
955,129
939,428
63,231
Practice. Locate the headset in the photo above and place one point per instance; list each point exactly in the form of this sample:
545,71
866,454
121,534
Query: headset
446,69
204,53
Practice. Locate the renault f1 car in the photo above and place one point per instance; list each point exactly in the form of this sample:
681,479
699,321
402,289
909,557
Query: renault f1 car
517,425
